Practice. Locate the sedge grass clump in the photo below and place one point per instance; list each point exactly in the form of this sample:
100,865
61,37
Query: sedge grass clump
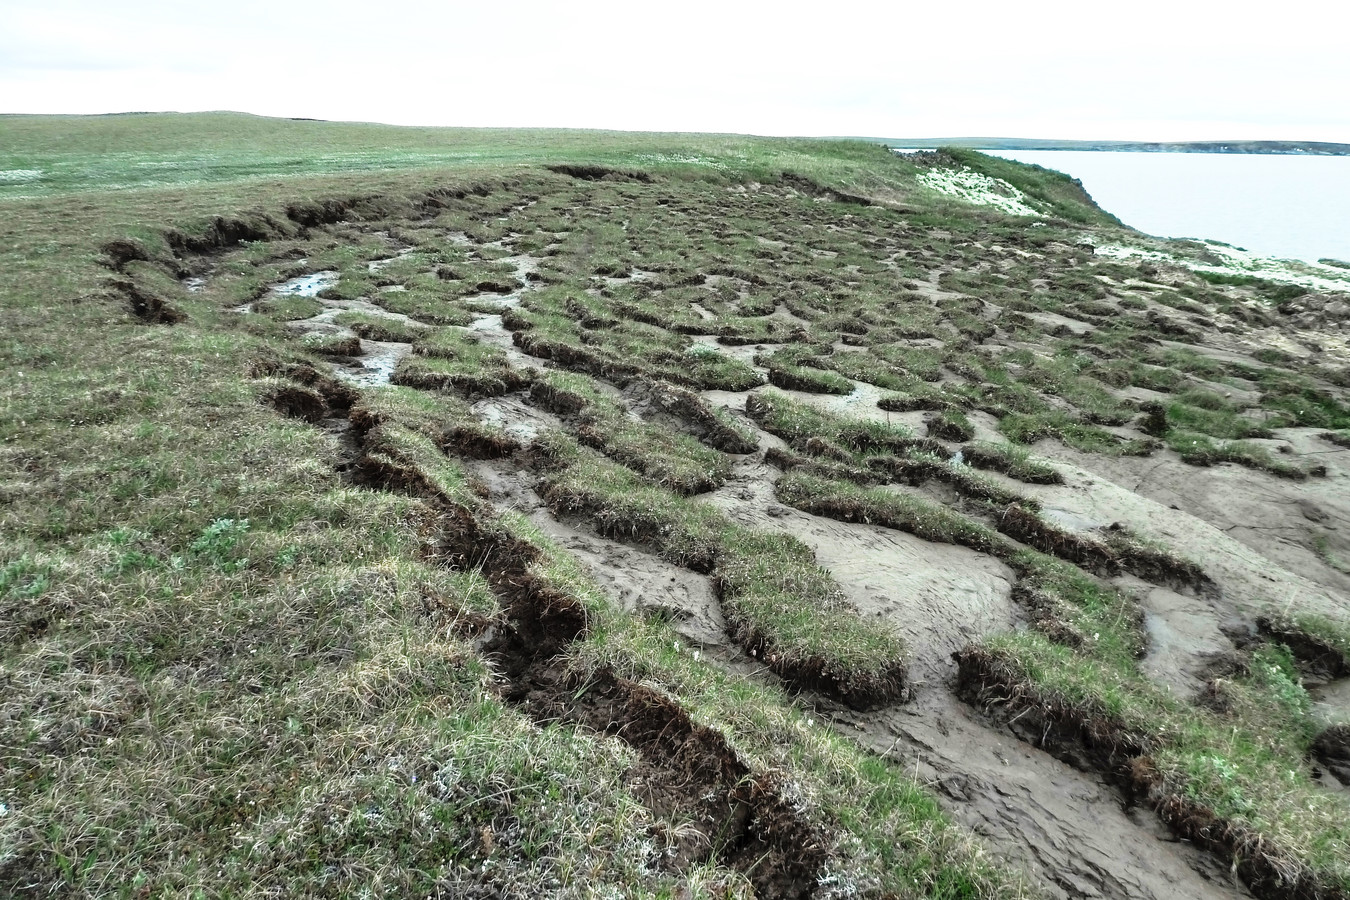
1320,643
624,506
373,327
1028,429
451,359
863,366
288,307
898,840
923,363
329,344
879,506
1076,610
799,423
1011,460
397,457
918,395
706,368
787,611
426,413
951,425
662,455
1201,450
427,307
793,376
1216,419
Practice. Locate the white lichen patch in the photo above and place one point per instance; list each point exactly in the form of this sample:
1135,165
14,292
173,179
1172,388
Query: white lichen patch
19,176
682,159
1235,261
972,187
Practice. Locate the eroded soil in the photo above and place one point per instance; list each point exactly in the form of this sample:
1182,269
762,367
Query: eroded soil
1263,540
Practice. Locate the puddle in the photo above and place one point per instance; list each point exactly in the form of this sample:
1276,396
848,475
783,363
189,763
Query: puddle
376,364
306,285
334,308
525,265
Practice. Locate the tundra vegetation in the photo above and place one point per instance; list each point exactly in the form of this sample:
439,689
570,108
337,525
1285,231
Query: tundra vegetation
287,599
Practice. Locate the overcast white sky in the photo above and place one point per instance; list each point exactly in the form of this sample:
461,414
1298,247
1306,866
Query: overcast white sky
1145,69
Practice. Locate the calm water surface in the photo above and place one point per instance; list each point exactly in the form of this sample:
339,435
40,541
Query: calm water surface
1293,207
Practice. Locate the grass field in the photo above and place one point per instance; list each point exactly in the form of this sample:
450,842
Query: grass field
286,596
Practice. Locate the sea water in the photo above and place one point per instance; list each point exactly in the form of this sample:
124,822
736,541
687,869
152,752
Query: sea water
1286,206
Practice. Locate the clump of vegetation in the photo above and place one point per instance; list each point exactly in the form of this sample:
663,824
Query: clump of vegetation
447,359
951,425
378,328
662,455
1201,450
1028,429
903,512
1244,766
1011,460
328,344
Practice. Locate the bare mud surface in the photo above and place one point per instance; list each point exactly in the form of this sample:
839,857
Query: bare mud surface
1184,633
940,597
1064,827
1247,530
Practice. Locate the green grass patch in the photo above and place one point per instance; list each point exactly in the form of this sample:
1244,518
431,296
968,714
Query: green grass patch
374,327
1201,450
1012,460
1021,428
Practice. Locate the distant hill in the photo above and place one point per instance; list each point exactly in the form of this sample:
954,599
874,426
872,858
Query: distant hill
1308,148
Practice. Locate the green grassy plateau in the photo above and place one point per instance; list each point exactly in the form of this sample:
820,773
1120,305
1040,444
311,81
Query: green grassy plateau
348,474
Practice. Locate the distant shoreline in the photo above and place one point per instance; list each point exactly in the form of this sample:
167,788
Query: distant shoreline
1281,148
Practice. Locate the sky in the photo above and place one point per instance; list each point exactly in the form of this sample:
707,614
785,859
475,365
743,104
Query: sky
1145,70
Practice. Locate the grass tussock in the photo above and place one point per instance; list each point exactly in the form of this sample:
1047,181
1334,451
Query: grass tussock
451,360
878,506
1010,460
